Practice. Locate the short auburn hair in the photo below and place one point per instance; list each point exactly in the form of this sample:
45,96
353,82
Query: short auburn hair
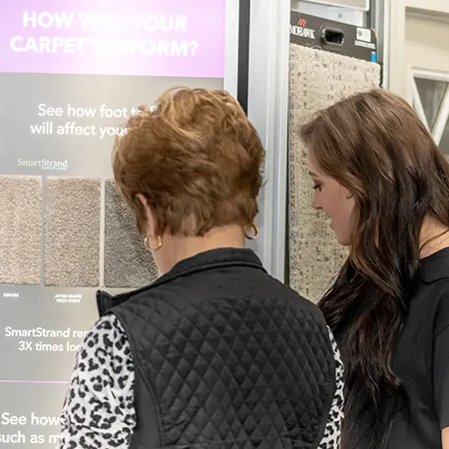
195,157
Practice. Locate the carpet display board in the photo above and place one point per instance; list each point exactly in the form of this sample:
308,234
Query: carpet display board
71,75
317,79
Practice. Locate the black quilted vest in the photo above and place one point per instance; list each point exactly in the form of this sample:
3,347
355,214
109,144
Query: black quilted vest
226,357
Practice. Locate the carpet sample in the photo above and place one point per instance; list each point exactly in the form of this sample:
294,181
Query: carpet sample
317,79
72,232
127,263
20,229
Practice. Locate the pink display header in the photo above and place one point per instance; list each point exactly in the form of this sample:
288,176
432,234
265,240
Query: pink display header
182,38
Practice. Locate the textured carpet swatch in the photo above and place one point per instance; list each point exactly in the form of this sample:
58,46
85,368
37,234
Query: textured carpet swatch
20,229
72,232
317,79
127,263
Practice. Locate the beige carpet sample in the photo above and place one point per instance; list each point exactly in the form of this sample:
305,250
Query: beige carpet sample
127,263
317,79
72,232
20,229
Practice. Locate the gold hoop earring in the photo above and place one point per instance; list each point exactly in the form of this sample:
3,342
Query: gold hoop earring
254,229
146,242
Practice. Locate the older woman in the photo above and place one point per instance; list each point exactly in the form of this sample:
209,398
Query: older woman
216,353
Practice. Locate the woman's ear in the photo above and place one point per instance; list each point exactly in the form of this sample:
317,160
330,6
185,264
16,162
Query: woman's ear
150,223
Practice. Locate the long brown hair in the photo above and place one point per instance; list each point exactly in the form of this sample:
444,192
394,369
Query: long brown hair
374,144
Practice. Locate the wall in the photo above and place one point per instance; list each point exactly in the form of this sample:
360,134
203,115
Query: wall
416,25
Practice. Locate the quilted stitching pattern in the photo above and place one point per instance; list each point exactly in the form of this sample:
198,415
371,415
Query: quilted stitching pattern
243,370
233,358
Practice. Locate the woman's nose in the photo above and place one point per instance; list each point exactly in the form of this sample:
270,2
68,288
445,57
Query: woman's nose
315,203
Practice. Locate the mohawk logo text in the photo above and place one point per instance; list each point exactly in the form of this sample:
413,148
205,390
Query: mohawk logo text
302,31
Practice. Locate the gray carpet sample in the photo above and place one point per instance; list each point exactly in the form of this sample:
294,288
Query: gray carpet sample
317,79
127,263
20,229
72,232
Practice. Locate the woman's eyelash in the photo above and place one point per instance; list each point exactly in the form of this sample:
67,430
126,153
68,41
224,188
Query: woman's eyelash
316,186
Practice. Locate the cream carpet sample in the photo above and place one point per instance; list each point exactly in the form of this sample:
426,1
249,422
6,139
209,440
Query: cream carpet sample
72,232
317,79
20,229
127,263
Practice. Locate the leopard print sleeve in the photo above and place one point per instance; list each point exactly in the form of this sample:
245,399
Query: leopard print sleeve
332,431
99,407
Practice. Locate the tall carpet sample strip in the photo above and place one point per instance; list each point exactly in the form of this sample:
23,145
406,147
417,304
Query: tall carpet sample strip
20,229
127,263
317,79
72,232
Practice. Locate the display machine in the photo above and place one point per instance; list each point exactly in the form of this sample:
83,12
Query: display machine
71,73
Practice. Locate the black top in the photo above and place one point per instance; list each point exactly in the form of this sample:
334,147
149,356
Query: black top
421,360
226,357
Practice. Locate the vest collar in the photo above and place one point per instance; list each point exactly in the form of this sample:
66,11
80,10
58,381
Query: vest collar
219,257
216,258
